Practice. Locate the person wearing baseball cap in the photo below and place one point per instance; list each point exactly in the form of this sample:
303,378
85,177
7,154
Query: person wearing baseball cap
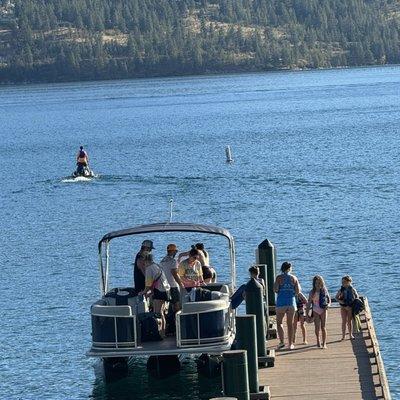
139,269
170,267
148,244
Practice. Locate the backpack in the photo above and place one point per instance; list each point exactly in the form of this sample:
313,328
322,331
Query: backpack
324,298
149,327
357,306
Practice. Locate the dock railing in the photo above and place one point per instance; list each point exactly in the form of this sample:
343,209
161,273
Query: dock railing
376,352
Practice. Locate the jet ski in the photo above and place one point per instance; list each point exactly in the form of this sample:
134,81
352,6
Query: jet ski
83,171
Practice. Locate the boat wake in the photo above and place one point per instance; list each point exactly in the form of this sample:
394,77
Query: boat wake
70,179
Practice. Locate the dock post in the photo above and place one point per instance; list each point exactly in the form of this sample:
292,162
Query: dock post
264,276
266,254
255,306
246,339
235,380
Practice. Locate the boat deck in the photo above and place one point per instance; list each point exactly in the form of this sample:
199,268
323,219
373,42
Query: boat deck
166,346
349,369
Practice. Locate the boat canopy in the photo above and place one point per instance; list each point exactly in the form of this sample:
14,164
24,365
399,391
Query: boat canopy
166,227
162,227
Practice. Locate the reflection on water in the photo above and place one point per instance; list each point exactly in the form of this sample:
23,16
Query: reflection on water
141,385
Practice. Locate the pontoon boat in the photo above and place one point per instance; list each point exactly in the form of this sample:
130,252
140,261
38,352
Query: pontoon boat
202,327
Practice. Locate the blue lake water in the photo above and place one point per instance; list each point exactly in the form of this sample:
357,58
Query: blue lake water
317,167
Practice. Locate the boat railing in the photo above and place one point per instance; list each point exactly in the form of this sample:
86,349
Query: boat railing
121,331
198,339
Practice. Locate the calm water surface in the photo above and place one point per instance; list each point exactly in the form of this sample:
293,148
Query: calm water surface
316,171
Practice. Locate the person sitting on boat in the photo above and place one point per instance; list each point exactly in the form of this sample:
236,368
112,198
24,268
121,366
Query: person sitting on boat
190,271
138,265
209,274
156,284
82,161
170,268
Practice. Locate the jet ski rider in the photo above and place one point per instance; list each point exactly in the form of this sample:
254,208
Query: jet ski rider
82,160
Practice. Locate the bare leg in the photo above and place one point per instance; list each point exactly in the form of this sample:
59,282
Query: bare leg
289,319
303,329
349,312
158,306
279,319
317,325
296,320
343,314
324,317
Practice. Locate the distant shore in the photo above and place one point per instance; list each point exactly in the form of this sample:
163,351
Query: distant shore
191,74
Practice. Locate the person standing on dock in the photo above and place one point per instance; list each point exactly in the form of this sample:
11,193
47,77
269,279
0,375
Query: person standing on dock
299,317
346,296
287,286
319,300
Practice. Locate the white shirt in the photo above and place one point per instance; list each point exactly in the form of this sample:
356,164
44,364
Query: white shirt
154,272
169,263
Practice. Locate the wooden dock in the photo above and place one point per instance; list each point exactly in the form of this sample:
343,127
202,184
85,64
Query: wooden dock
349,369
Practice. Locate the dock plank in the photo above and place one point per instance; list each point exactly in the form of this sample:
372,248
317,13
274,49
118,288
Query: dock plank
345,370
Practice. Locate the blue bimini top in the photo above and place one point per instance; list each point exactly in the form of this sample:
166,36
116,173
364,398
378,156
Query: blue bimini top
286,294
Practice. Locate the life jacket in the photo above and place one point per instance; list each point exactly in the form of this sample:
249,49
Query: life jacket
82,157
348,296
323,298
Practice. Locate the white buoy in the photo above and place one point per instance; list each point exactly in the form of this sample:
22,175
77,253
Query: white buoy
228,153
171,204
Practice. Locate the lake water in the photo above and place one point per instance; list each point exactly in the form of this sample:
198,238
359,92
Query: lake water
317,167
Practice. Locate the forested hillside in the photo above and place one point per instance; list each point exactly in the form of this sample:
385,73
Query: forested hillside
60,40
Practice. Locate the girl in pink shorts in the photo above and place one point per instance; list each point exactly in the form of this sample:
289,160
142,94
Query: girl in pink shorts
319,300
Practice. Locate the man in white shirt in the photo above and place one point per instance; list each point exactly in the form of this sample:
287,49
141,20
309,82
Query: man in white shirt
170,268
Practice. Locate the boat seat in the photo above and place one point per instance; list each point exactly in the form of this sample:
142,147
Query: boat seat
218,287
111,311
220,296
202,306
224,289
110,301
133,302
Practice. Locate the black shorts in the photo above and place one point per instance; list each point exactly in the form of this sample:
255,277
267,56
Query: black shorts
159,295
300,311
175,295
